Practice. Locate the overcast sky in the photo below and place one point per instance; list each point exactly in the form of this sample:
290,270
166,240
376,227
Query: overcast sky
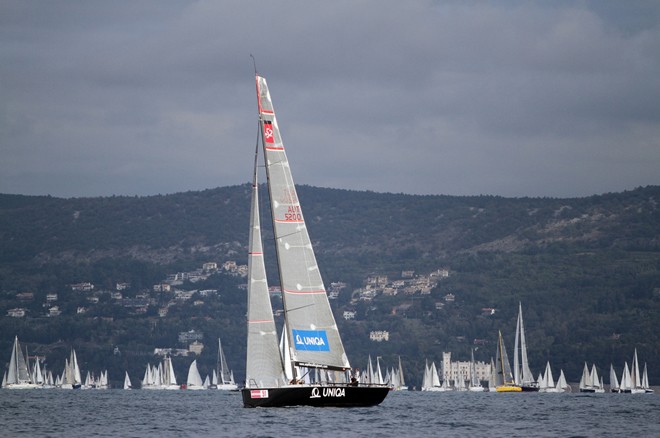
511,98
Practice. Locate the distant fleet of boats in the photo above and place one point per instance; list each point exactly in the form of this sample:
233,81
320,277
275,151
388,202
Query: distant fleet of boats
504,378
23,375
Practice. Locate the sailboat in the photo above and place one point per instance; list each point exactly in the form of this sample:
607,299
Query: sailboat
313,338
547,382
431,380
194,381
590,382
399,382
645,381
635,377
562,385
167,377
614,382
71,378
18,376
475,384
504,381
225,379
522,375
127,381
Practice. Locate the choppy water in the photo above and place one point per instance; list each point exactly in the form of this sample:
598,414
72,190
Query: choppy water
118,413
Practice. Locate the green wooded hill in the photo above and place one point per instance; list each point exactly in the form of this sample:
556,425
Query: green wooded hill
586,270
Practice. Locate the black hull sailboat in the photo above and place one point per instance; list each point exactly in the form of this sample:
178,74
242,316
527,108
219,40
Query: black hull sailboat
318,396
311,353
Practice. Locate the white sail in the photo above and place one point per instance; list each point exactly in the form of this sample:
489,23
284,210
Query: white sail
626,380
311,327
426,378
435,378
634,371
562,385
645,380
194,381
37,375
379,373
264,365
585,380
614,382
127,381
549,380
76,369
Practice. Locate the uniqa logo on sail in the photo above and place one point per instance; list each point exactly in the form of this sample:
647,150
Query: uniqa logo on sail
310,340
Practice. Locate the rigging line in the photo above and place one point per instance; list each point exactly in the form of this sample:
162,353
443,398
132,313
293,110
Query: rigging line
289,234
299,308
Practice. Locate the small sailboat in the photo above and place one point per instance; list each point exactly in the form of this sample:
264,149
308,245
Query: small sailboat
636,377
431,380
645,381
546,381
168,379
504,381
314,343
18,375
194,381
71,377
475,384
127,381
626,380
590,382
522,375
562,385
399,382
614,382
225,379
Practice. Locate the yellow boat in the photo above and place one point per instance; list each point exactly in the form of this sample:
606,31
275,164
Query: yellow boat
508,388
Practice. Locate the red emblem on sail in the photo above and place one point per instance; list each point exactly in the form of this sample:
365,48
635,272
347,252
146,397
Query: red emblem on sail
269,136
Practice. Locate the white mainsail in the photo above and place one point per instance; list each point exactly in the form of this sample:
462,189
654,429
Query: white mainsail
127,381
264,365
313,334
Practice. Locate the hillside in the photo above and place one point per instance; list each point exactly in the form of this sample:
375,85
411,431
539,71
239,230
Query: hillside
587,271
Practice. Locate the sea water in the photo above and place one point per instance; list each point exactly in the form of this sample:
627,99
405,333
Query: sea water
143,413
